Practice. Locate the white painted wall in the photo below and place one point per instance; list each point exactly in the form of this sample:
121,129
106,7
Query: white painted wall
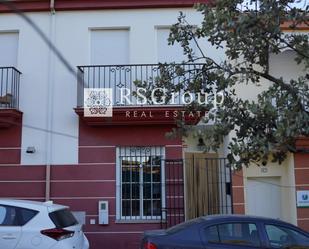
48,90
165,52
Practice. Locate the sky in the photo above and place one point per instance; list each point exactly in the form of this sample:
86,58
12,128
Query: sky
298,3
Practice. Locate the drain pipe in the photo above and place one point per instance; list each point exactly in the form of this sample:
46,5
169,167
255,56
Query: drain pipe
50,102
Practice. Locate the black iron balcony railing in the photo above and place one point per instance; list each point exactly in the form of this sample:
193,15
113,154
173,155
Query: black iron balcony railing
122,79
9,87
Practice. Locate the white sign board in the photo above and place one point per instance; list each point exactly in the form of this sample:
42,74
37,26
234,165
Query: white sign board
302,198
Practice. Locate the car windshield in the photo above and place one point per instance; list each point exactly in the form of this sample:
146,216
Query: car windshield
183,225
63,218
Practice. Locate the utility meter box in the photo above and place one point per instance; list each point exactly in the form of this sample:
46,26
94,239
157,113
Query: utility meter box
103,212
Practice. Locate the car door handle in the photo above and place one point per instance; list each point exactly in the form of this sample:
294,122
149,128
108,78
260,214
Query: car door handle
8,236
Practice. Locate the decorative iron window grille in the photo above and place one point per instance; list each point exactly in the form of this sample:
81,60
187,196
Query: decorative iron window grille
140,186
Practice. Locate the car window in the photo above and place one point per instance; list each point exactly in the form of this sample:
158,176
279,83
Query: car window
212,234
283,237
234,233
63,218
15,216
8,216
25,215
2,214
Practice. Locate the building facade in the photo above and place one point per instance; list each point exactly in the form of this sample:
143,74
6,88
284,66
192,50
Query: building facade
50,150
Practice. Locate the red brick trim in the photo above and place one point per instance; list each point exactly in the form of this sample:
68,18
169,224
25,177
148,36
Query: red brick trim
10,117
10,136
60,5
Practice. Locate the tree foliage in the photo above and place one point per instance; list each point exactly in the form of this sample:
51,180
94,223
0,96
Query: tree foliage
266,128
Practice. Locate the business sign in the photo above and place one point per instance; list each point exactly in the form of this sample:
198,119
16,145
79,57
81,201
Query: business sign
302,198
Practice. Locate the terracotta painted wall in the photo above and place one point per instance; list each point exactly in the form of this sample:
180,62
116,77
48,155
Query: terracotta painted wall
97,150
10,141
238,193
94,178
301,161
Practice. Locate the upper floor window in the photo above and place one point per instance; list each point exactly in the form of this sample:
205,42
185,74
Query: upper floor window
109,47
8,49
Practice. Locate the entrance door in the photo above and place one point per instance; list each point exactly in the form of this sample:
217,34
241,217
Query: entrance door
263,196
207,185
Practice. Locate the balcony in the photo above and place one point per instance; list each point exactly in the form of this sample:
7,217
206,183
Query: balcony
127,107
9,96
122,79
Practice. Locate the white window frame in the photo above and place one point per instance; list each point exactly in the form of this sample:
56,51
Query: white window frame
125,150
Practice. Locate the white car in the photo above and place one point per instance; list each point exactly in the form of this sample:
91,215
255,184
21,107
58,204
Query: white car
40,225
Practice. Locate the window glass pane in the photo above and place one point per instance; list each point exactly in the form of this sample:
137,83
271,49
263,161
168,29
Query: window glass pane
156,174
239,233
135,191
156,207
135,174
147,173
126,174
156,192
212,235
131,208
136,208
126,208
156,161
130,191
146,161
147,191
147,208
126,192
282,237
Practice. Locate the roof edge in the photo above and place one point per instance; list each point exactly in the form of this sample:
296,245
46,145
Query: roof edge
70,5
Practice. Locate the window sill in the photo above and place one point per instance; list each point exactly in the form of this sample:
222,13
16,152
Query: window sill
139,221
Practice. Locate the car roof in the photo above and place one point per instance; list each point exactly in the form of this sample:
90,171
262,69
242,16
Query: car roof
239,217
36,205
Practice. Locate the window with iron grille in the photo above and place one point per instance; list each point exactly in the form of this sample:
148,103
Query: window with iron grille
140,184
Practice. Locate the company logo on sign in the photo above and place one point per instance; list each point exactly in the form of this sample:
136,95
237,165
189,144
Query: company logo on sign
305,197
302,198
98,102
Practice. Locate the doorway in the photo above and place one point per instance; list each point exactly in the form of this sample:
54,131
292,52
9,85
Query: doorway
263,197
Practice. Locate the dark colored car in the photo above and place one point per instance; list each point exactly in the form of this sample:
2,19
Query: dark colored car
228,232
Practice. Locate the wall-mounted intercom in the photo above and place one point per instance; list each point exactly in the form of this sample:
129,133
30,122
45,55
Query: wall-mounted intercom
103,212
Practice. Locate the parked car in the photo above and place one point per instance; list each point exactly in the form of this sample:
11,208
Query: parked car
40,225
227,232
